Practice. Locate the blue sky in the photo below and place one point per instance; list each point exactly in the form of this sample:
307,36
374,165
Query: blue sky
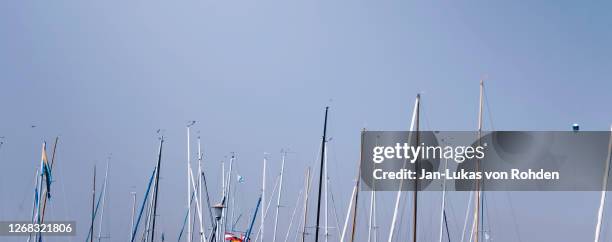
257,74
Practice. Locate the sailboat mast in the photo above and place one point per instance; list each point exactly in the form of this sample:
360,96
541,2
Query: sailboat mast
356,201
326,217
478,192
156,192
210,214
200,185
307,191
372,203
357,188
263,198
280,192
372,197
348,211
603,190
104,189
399,190
442,211
374,223
93,205
372,216
43,168
416,181
323,140
133,213
228,189
189,182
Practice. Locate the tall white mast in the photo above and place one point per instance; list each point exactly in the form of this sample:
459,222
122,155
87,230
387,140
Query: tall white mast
443,201
267,208
371,220
228,192
223,178
189,181
263,197
220,222
478,193
198,208
374,223
399,190
280,192
306,192
348,212
202,237
603,190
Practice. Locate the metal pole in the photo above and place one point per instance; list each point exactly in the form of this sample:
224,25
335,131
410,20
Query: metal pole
280,192
372,204
103,199
399,190
263,198
323,140
307,190
357,190
189,182
93,202
200,187
415,211
477,208
442,212
133,213
228,188
155,194
602,203
326,234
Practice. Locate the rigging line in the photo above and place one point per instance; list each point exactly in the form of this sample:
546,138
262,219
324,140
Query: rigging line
297,228
295,208
446,225
488,110
266,208
185,220
334,208
516,228
143,206
489,224
335,162
66,211
26,193
493,209
605,232
424,112
482,212
448,204
203,175
467,215
452,214
193,222
401,220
